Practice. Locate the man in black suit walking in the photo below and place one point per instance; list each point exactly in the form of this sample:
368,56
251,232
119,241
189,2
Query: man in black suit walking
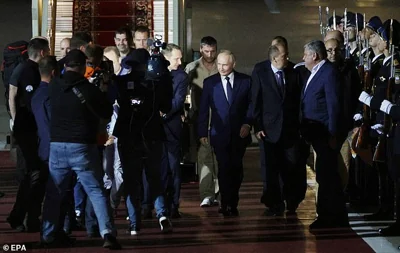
276,95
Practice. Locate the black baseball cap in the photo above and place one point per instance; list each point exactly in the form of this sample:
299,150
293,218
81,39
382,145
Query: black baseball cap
75,58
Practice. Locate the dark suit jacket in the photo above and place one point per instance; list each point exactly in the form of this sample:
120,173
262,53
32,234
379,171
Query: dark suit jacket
320,100
226,120
276,111
173,121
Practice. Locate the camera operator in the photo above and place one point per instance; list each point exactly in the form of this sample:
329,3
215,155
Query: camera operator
140,132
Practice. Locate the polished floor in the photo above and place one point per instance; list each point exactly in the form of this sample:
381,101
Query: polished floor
204,230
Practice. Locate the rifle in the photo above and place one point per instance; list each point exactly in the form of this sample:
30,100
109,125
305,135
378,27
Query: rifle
321,26
363,134
380,150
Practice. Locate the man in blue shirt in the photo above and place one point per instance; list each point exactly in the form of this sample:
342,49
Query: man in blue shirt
41,105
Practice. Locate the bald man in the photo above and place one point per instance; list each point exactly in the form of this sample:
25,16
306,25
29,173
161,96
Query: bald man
335,34
65,45
350,90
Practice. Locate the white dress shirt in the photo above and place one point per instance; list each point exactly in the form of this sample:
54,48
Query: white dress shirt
224,82
376,57
314,72
386,59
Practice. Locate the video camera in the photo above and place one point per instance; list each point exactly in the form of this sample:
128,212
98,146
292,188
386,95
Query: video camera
102,74
157,65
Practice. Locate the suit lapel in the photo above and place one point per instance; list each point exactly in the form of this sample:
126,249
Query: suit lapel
272,80
220,90
309,86
236,86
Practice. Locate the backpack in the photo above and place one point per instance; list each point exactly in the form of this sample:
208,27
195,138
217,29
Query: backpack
13,54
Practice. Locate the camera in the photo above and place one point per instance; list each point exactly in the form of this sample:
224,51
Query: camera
102,74
157,65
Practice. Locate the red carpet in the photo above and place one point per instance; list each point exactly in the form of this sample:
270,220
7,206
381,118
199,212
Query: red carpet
203,230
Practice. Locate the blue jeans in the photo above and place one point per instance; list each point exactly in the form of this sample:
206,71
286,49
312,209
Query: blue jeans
133,159
84,160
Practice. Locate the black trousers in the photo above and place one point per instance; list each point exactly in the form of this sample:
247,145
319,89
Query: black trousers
283,178
331,203
230,171
32,186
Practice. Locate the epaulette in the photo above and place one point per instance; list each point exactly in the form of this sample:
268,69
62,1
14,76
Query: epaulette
299,64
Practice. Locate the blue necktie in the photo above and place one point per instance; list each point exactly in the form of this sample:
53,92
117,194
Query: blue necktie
229,90
280,81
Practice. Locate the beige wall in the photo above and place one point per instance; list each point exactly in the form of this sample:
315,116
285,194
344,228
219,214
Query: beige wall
246,27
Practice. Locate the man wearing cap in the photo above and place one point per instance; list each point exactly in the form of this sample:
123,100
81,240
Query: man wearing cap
392,109
339,23
76,107
354,19
386,188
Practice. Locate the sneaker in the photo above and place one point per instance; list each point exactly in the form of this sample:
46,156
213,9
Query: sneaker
110,242
133,230
165,224
206,202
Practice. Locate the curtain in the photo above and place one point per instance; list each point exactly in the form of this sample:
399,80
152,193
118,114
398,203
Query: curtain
102,17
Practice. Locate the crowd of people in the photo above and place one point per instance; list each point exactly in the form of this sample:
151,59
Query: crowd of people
98,126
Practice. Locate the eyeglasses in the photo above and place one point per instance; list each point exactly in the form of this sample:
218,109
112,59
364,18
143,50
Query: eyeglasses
331,50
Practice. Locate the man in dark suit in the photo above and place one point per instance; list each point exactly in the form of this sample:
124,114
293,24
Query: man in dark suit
276,94
320,109
227,96
170,160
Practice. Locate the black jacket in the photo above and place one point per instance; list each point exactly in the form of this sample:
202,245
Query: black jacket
276,112
73,121
136,122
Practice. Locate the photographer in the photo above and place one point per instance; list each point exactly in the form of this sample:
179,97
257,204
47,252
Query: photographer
140,132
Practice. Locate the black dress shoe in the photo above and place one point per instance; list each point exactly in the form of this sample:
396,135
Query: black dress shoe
175,214
19,227
329,223
392,230
234,212
110,242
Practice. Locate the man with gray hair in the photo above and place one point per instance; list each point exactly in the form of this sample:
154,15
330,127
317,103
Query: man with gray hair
320,110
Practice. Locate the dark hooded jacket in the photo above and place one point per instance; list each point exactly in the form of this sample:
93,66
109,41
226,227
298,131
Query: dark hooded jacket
73,121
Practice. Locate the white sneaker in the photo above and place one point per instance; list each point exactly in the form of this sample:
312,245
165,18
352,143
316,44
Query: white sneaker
206,202
165,224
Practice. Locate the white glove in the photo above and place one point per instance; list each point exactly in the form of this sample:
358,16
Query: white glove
365,98
11,124
357,117
386,106
378,128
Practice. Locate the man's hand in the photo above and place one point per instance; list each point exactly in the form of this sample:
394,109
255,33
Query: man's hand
260,135
109,141
204,140
244,131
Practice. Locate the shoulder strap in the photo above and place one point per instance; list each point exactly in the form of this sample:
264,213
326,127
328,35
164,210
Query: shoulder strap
79,94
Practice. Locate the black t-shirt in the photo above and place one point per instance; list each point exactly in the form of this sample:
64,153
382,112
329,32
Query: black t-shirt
26,77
